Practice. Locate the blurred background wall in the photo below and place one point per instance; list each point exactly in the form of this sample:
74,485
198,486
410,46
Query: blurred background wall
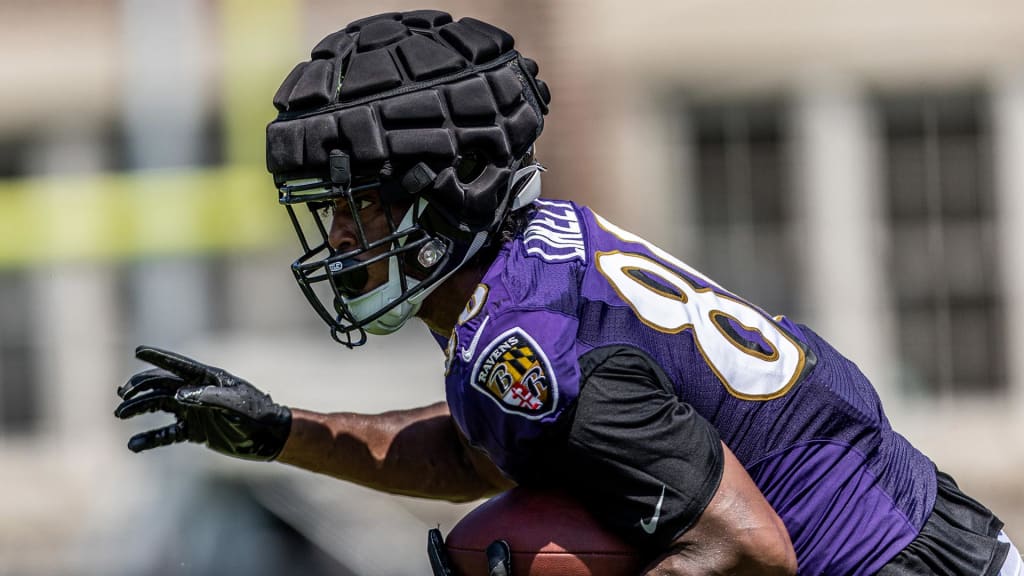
854,165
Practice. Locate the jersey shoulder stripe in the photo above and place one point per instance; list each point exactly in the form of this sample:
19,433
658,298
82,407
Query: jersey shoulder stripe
554,234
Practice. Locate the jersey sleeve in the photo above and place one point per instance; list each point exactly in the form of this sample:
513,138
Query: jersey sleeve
645,462
512,377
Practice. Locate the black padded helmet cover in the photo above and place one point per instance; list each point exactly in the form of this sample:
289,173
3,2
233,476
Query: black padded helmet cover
399,89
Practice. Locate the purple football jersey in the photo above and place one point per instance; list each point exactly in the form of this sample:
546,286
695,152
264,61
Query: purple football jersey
803,420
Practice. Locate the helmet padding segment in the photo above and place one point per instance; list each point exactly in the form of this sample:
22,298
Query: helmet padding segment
399,89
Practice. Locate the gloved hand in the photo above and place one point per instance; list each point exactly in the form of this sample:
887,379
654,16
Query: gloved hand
212,407
499,556
499,559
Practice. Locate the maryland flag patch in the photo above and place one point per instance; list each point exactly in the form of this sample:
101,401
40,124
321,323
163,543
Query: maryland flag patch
514,372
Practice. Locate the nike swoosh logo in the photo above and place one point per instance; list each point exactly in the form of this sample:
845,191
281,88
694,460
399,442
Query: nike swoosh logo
467,353
649,525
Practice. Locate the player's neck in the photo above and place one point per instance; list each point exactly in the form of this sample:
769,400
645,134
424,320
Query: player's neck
440,311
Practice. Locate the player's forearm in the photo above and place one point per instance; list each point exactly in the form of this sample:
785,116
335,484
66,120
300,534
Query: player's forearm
722,558
752,549
414,452
738,534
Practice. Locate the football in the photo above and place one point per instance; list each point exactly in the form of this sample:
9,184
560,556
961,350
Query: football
549,534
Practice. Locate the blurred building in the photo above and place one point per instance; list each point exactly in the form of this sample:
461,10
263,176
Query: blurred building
854,165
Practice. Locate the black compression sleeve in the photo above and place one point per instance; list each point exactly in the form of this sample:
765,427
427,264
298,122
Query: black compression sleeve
645,462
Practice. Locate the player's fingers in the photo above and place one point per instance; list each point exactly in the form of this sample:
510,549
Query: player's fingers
440,563
181,365
159,437
499,559
152,379
150,402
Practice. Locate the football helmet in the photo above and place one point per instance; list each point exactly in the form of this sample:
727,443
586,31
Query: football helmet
433,118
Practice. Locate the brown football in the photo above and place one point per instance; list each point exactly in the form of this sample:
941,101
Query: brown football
549,533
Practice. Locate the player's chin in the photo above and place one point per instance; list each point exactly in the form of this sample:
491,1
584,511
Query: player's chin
376,276
370,297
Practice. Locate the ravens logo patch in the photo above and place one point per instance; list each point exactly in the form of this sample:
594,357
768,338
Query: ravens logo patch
515,373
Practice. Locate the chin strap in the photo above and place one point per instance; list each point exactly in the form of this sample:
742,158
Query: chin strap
526,185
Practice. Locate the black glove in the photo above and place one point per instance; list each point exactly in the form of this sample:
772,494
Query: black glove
499,559
440,563
499,556
212,407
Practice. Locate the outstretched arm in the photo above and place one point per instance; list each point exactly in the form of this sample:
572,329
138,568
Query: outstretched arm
417,452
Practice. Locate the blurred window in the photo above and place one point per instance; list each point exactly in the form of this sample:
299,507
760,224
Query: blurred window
12,155
942,257
743,196
19,378
20,153
171,300
209,149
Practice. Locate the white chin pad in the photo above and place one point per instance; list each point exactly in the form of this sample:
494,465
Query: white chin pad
367,304
530,189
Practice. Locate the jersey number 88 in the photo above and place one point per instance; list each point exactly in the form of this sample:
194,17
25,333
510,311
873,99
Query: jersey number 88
753,357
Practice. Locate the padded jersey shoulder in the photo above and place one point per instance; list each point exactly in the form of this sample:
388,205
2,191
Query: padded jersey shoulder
512,358
534,283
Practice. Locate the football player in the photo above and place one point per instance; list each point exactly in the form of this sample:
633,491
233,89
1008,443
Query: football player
694,424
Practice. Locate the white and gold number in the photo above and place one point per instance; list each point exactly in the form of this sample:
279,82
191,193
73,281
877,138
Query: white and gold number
759,369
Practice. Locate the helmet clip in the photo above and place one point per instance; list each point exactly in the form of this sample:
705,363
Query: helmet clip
340,166
417,178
